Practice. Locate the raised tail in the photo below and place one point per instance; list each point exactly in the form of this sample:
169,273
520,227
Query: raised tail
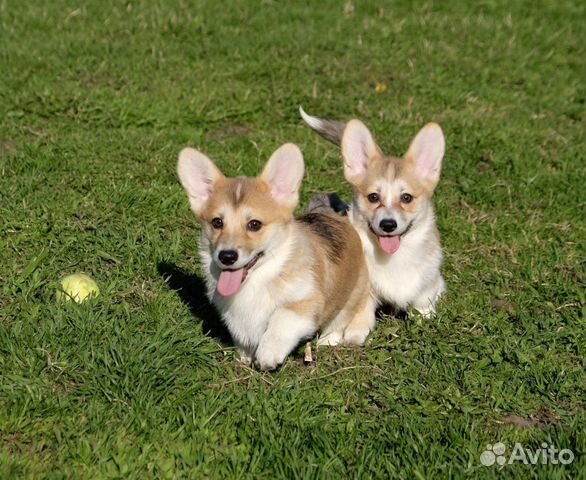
327,203
331,130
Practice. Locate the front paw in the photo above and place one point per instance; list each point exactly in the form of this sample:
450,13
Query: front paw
244,357
269,358
331,339
356,336
425,312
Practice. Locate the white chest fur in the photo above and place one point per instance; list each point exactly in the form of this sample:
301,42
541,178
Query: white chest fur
247,314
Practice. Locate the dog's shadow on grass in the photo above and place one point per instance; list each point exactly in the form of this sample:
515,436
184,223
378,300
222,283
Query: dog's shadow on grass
192,291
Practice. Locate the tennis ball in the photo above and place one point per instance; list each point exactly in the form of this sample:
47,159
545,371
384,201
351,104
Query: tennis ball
77,287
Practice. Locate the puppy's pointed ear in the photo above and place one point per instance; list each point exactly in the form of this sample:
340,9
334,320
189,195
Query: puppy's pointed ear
358,148
198,175
283,173
426,153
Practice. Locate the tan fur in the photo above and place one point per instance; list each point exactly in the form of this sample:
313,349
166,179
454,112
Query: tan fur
388,169
344,282
397,228
240,200
310,277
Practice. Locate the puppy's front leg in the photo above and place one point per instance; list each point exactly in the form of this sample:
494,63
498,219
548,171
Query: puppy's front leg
244,353
426,302
286,329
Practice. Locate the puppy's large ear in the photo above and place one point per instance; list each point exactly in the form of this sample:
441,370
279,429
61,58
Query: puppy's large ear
198,175
284,172
426,152
358,148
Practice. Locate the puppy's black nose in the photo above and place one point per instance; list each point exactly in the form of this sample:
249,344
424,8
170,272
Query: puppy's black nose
388,225
228,257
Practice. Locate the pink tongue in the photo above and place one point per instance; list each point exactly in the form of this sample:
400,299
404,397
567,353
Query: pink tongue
390,244
230,281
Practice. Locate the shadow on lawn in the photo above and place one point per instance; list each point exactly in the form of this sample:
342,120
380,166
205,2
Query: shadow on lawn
192,292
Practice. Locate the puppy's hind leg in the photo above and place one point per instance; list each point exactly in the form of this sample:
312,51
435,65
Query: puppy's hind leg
333,334
330,338
361,324
427,301
244,354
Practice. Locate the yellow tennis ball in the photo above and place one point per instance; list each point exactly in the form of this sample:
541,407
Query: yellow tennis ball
381,87
77,287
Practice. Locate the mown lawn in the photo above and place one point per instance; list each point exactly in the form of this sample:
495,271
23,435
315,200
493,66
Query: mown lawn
97,99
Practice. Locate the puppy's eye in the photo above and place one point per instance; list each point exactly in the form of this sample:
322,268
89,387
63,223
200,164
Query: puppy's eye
254,225
217,223
406,198
373,197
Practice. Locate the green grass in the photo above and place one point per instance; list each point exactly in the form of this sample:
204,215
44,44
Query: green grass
97,99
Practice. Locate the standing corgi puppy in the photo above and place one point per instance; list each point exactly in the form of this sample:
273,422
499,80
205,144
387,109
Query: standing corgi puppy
276,280
392,211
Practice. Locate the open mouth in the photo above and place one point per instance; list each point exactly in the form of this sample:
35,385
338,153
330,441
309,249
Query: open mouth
230,281
389,243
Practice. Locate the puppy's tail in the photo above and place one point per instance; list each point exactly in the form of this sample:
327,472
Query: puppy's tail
327,203
331,130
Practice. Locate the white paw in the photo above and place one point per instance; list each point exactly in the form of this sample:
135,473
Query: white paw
356,336
332,338
244,357
269,358
426,312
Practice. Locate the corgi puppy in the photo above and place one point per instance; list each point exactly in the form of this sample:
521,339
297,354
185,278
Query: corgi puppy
276,279
392,211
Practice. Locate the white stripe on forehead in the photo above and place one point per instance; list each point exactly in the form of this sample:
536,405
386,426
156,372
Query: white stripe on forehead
383,180
232,230
390,191
228,213
238,192
235,218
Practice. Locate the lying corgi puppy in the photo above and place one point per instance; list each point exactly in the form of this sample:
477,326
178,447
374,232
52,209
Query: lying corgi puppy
276,279
392,211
